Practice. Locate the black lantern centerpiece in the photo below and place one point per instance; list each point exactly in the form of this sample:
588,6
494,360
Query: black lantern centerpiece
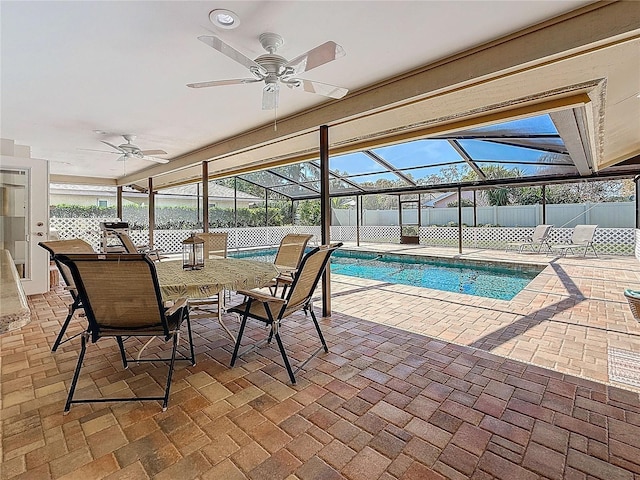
193,253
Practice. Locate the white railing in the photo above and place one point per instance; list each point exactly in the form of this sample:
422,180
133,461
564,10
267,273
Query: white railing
610,241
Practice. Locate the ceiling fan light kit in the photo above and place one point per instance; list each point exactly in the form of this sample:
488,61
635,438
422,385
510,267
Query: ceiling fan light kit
129,150
273,69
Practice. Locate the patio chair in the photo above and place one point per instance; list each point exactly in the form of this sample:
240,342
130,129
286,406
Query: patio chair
131,247
215,245
56,247
581,238
538,239
288,258
121,298
272,310
633,297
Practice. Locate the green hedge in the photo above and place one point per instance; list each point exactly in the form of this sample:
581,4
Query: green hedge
177,218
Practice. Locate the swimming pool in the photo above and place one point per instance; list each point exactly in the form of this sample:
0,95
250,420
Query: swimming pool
500,281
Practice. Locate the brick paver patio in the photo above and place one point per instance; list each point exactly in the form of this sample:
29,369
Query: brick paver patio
418,384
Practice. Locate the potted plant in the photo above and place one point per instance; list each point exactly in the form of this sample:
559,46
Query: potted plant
409,235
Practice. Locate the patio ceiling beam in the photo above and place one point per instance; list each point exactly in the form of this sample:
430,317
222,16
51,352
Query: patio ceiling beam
570,126
530,147
467,158
340,177
501,182
381,161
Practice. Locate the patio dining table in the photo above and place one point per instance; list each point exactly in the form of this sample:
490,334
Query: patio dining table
219,274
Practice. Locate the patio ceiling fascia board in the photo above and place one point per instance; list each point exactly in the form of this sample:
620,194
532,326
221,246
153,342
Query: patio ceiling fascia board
549,41
77,180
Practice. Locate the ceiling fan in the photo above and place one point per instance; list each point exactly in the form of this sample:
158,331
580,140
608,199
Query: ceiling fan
273,70
129,150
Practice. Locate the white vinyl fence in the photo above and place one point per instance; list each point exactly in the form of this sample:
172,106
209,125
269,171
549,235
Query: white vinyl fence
606,215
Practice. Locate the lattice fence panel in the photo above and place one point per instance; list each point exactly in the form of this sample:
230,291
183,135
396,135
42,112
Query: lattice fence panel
439,236
609,241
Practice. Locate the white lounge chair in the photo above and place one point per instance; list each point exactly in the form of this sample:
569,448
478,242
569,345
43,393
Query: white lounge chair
581,238
539,238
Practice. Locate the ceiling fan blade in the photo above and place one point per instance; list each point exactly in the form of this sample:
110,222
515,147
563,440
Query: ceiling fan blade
325,53
94,150
323,88
157,160
232,53
113,146
270,96
217,83
152,152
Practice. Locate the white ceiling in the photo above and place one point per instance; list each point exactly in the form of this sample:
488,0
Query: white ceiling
70,68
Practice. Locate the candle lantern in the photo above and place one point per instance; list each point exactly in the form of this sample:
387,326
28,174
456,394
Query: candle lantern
193,253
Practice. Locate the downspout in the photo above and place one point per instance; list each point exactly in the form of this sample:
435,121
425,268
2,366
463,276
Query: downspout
358,214
152,212
119,202
459,220
544,204
325,215
205,197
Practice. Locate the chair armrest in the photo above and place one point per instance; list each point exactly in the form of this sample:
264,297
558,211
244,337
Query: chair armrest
261,297
177,305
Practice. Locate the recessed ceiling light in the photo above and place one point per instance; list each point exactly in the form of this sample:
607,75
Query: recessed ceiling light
224,18
100,132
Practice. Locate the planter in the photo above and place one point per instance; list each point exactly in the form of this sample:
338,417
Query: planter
409,239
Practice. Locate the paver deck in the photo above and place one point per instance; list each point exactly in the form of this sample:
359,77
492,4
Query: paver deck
418,384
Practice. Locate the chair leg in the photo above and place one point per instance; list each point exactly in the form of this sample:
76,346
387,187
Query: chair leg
176,338
76,374
123,355
315,322
72,309
193,354
285,359
237,347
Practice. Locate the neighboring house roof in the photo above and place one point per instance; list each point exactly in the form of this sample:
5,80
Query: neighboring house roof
451,196
185,191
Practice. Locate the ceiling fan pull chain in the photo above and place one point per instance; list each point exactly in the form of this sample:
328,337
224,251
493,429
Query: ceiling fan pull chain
275,118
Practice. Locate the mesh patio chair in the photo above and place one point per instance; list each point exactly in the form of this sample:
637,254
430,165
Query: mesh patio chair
122,299
538,239
56,247
215,244
581,238
633,297
131,247
272,310
288,258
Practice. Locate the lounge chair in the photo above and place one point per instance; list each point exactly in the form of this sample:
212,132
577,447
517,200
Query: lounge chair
272,309
131,247
581,238
56,247
121,298
538,239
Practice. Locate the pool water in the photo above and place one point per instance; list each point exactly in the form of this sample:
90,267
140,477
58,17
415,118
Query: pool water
498,281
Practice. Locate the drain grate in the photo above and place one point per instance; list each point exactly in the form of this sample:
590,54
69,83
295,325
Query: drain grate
624,366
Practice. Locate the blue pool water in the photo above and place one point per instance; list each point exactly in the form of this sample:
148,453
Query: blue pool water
472,278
